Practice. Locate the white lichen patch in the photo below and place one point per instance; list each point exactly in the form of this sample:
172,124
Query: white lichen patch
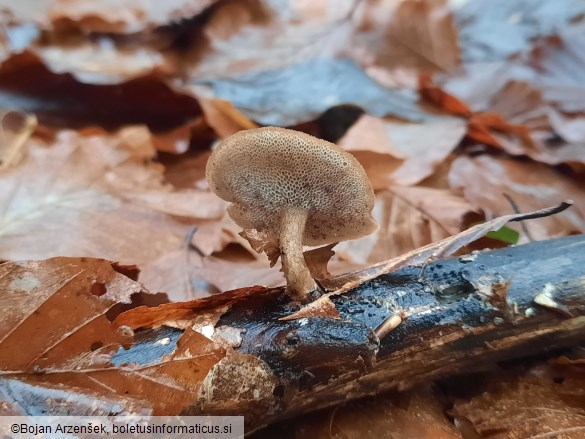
207,330
163,341
228,336
27,283
468,258
239,377
484,286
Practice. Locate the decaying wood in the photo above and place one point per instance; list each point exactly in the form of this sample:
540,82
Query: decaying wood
458,315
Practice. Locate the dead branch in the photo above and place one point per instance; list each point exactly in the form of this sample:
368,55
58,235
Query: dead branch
458,315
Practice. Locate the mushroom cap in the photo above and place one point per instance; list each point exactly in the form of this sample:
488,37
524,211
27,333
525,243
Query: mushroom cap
266,170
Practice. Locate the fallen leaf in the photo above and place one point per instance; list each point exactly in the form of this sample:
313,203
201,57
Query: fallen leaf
317,260
26,398
476,84
322,307
482,127
483,180
421,35
186,312
224,118
63,307
94,196
59,306
409,218
15,130
570,128
102,61
262,242
184,274
421,146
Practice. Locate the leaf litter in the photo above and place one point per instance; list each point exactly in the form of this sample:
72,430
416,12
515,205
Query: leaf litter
501,114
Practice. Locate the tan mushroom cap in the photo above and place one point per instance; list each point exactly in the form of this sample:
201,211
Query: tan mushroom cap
263,171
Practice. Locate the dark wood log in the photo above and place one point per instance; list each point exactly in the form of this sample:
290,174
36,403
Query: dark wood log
458,315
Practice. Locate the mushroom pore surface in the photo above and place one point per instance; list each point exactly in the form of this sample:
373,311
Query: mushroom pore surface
266,170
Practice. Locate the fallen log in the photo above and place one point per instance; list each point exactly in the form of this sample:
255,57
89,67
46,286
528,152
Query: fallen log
456,315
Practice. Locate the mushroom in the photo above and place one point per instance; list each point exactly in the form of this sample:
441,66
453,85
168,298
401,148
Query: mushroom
295,190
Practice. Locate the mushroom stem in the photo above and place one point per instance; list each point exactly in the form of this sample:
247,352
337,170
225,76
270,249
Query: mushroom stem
298,277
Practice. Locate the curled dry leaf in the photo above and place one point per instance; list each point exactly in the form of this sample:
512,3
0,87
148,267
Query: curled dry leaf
317,260
483,180
186,312
483,127
224,118
261,241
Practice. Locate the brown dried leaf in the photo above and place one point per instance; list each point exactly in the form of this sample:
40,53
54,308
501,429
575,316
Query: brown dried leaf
421,35
322,307
317,260
224,118
184,274
15,130
63,307
409,217
94,196
422,147
59,307
482,181
487,127
261,241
